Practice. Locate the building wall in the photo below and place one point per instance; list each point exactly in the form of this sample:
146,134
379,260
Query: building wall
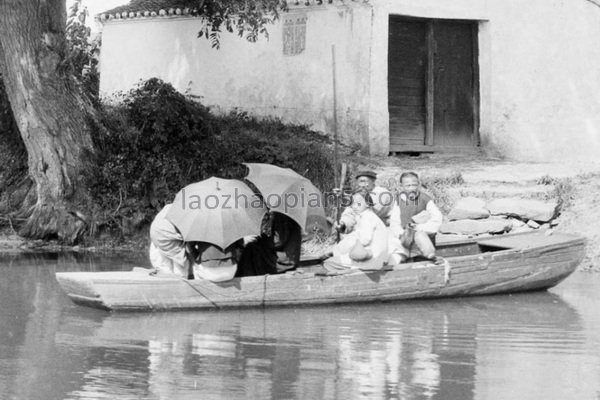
539,73
545,79
255,77
539,70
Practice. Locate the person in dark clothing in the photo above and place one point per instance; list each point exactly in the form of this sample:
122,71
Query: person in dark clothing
275,250
287,237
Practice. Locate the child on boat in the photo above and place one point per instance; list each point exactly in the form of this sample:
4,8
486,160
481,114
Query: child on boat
382,201
366,246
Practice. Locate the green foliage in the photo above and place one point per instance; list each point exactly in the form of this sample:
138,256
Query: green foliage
271,141
454,178
438,185
563,190
155,140
545,180
246,18
82,51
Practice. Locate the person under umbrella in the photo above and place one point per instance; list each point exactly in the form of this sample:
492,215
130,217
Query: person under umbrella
200,232
167,247
170,254
277,249
214,264
289,193
295,207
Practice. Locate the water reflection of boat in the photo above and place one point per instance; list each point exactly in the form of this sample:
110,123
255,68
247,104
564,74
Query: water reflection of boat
415,349
504,264
282,323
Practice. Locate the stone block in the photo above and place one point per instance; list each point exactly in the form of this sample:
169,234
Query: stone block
516,223
521,229
476,227
526,209
468,208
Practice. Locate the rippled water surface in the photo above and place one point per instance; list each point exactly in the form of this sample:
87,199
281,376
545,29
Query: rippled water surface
531,346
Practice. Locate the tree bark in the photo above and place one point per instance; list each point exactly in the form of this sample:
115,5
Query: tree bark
50,112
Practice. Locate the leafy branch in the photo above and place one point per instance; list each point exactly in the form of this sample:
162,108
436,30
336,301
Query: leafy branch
247,18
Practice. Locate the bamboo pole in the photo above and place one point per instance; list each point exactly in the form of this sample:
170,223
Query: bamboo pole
335,128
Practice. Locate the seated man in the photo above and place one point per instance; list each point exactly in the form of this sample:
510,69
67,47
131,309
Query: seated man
383,201
414,221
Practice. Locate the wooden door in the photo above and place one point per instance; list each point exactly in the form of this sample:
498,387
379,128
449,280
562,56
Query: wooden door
432,84
407,75
453,81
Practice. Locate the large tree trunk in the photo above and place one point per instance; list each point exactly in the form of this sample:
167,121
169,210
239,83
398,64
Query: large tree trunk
50,113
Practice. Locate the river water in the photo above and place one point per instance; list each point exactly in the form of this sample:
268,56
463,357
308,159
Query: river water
542,345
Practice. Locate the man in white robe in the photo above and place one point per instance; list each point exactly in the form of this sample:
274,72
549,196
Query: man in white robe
167,247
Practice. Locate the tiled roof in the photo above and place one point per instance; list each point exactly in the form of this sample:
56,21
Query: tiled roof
150,5
149,8
161,8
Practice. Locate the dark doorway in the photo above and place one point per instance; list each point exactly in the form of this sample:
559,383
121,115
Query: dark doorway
432,85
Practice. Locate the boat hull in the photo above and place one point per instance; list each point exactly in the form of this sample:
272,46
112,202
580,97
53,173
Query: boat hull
518,263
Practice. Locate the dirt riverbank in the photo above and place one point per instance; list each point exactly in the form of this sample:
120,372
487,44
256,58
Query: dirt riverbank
582,217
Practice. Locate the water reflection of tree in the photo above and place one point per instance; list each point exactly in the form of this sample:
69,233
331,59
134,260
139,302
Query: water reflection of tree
35,365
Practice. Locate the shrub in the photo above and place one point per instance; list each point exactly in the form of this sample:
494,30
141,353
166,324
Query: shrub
155,140
81,58
438,185
271,141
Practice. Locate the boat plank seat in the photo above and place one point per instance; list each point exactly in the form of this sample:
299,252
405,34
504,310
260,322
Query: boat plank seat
524,241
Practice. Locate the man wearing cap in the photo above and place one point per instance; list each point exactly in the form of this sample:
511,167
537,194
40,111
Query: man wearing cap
382,198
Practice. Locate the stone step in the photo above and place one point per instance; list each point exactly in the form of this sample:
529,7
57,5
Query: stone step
494,190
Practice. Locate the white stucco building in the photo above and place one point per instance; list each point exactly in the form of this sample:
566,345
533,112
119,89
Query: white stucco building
511,77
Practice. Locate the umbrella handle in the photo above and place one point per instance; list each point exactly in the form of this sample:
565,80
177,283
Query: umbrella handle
189,256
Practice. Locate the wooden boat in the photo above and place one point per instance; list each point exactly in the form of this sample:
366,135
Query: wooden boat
491,265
